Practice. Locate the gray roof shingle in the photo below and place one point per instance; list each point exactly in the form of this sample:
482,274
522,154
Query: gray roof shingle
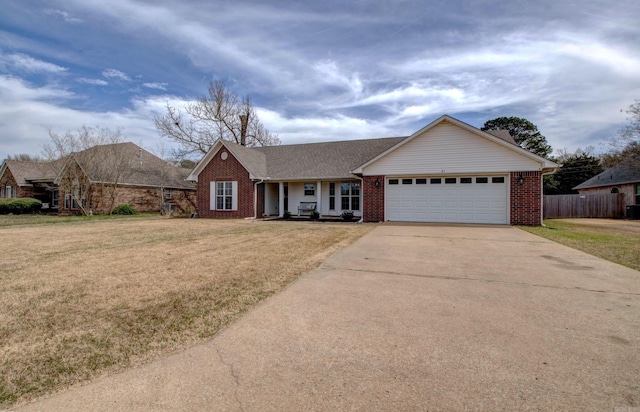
628,172
320,160
141,168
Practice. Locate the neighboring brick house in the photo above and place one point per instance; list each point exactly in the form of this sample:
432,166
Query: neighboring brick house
623,178
97,179
34,179
448,171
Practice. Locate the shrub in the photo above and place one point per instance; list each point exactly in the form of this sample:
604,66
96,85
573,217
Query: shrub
286,215
314,215
19,206
124,210
347,216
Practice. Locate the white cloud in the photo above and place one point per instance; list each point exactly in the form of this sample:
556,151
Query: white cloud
65,16
95,82
115,74
29,64
157,86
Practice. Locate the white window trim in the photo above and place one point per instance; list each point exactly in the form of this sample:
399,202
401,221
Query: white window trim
213,195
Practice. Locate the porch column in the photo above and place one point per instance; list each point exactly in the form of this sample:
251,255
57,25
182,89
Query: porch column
280,199
319,197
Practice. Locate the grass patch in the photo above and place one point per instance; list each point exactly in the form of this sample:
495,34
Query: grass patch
615,241
31,220
82,300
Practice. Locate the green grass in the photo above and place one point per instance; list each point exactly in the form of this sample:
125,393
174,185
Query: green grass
613,242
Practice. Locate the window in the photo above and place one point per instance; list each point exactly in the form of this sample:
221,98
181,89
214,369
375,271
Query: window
332,196
309,189
615,190
2,191
421,181
54,199
7,192
224,196
637,194
436,181
350,195
393,181
407,181
450,180
482,180
167,194
465,180
497,179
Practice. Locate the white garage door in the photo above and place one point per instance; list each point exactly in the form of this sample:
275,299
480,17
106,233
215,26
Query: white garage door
462,199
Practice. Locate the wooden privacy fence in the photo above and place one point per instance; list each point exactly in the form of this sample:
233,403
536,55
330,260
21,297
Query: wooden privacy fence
607,205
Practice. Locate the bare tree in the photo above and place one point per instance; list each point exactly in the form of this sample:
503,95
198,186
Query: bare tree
222,114
24,157
90,156
624,149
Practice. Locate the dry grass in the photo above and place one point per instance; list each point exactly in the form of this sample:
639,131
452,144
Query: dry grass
614,240
80,300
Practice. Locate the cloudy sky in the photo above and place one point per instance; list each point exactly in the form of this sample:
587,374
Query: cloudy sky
318,70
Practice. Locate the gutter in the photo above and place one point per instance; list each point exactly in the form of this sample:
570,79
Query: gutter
255,199
361,198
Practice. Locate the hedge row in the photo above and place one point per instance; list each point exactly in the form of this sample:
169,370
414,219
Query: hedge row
19,206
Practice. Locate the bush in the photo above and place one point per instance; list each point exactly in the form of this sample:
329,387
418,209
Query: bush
124,210
314,215
347,216
286,215
19,206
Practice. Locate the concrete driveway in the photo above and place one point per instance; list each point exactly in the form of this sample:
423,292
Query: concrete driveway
412,317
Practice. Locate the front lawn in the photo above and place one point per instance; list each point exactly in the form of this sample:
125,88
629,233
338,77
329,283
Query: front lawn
80,300
614,240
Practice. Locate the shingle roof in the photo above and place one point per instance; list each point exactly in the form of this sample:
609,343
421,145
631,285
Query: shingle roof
25,171
320,160
628,172
141,167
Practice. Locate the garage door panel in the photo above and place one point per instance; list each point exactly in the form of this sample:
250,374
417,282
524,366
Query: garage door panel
448,202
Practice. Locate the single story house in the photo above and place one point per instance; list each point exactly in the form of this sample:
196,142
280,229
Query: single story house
447,171
34,179
99,178
623,178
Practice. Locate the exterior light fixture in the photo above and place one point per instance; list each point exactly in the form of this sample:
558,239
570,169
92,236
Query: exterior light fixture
520,179
377,183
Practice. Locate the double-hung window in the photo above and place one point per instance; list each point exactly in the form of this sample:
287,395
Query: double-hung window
224,195
350,195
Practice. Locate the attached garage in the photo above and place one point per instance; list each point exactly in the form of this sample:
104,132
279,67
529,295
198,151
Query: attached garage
451,172
452,199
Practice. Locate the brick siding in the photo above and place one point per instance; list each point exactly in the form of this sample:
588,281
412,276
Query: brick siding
525,199
225,170
373,199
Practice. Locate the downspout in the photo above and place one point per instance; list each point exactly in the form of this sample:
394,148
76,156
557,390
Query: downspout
361,199
255,199
542,196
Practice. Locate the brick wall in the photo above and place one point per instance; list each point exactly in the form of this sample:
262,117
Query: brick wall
143,199
225,170
7,177
373,199
525,198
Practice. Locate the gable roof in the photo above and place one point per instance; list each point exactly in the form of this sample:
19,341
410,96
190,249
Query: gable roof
301,161
546,164
623,173
138,166
323,160
26,171
339,159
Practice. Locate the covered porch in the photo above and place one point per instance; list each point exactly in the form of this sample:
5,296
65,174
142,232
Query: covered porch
331,198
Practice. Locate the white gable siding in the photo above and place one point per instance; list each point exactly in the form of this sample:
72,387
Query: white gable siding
447,148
